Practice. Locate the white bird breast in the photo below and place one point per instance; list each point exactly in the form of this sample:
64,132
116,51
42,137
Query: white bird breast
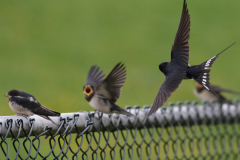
19,109
99,104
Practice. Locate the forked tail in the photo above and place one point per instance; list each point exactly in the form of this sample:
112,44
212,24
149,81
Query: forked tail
200,73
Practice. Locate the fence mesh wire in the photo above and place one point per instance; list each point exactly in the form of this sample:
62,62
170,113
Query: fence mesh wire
190,131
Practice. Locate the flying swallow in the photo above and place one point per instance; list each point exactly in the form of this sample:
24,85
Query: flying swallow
203,94
101,93
178,68
26,105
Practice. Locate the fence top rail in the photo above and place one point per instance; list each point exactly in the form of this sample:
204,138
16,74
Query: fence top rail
80,122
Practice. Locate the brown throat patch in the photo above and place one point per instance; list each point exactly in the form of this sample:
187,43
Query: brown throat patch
198,85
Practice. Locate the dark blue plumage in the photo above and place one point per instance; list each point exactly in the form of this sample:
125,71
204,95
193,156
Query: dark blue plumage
178,68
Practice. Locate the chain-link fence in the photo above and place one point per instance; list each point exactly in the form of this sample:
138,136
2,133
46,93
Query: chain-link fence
189,131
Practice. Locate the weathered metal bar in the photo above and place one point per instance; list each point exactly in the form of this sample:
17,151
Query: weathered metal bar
173,115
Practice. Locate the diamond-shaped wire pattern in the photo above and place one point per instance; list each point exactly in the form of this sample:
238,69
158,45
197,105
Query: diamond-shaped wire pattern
190,131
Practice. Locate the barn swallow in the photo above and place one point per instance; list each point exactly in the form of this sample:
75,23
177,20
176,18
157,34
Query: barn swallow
178,68
26,105
101,93
203,94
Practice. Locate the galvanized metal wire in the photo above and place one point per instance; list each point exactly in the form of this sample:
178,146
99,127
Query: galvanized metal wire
189,131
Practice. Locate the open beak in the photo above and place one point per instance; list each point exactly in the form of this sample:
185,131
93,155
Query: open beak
88,90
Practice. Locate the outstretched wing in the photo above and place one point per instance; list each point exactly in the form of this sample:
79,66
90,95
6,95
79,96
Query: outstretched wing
111,86
95,77
180,48
170,84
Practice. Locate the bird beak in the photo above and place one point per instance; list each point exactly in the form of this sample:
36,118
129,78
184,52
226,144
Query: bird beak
8,96
88,90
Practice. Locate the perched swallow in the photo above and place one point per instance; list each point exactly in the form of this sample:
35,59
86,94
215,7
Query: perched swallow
178,68
203,94
101,93
26,105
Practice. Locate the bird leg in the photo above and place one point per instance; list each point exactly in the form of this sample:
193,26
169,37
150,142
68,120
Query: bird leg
99,114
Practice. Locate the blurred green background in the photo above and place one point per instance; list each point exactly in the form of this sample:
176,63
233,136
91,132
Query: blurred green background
48,47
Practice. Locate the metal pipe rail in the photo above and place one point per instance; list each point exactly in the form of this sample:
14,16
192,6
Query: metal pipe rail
17,126
207,131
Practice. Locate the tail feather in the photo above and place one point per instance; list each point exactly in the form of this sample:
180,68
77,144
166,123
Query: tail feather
209,62
202,76
225,100
117,109
47,118
220,89
42,110
200,73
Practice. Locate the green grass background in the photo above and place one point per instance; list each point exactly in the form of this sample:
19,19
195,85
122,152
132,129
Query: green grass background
48,47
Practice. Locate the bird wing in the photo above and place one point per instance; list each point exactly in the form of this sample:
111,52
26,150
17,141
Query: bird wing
111,86
180,48
170,84
95,77
34,107
27,95
42,110
219,89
